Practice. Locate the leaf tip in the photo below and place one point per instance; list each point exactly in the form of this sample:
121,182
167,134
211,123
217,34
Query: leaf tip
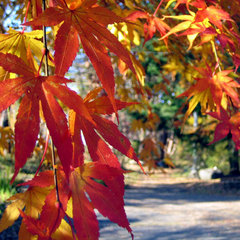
14,176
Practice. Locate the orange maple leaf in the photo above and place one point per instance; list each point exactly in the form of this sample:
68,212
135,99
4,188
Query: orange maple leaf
209,90
152,25
203,22
214,14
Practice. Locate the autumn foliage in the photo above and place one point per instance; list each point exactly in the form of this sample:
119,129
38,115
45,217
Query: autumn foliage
60,203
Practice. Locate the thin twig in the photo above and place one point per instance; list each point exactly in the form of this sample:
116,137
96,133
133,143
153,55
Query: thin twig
47,74
45,43
53,147
157,8
216,56
25,18
65,3
44,154
40,65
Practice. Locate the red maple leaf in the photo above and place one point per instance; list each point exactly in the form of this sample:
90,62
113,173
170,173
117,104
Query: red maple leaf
97,147
90,186
54,208
35,89
88,21
152,25
228,124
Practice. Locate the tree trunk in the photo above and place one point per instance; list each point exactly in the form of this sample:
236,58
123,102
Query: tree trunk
234,163
233,159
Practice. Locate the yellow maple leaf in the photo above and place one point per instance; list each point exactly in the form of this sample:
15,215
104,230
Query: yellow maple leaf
64,232
17,43
31,201
7,139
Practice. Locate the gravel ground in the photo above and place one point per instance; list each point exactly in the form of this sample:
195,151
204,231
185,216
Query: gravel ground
178,211
170,209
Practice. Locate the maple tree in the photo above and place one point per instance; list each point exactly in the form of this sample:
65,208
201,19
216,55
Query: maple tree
34,66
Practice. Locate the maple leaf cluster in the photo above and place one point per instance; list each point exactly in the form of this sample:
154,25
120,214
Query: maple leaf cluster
81,187
60,204
210,30
209,23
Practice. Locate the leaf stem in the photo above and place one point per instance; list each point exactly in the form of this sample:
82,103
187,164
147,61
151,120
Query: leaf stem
158,8
70,223
216,56
65,3
40,65
44,154
25,18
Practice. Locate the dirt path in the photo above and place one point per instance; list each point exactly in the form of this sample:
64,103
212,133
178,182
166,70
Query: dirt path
178,211
166,208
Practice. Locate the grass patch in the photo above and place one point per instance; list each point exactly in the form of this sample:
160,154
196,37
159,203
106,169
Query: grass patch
6,189
6,173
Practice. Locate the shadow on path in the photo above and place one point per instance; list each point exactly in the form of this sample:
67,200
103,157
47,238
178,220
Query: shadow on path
177,211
